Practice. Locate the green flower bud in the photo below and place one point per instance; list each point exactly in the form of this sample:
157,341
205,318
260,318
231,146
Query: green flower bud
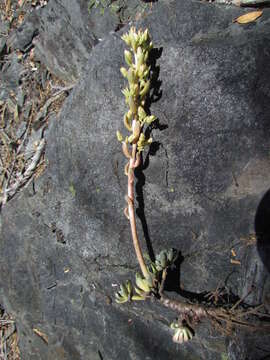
134,90
146,35
128,57
150,119
126,39
119,136
132,105
141,113
127,121
136,133
139,56
141,70
126,93
124,71
145,89
141,142
131,76
146,55
131,138
146,72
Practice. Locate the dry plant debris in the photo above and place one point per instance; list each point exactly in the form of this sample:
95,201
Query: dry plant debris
42,335
9,349
24,115
249,17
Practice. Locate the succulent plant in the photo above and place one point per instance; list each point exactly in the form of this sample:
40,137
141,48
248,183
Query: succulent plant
137,74
143,287
165,259
125,293
182,333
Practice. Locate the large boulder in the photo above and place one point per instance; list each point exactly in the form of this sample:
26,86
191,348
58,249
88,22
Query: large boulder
65,31
63,34
67,244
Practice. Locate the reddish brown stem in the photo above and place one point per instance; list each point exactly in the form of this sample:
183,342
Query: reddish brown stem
182,307
131,212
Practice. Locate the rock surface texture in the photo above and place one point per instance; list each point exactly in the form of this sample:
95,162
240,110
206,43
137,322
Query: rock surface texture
202,190
64,32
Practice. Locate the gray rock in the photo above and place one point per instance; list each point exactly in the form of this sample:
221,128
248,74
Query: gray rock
23,36
4,27
65,38
68,31
11,73
67,244
2,45
65,31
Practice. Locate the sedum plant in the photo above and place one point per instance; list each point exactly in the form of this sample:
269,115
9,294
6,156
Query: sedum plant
135,120
150,282
137,75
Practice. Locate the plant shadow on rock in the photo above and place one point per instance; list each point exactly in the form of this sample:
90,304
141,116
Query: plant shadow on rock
155,89
155,95
221,296
172,283
262,229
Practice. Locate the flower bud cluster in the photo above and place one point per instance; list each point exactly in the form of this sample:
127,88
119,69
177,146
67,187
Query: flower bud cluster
138,77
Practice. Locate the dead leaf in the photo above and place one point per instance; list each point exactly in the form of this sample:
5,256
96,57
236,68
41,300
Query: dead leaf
249,17
235,262
233,253
43,336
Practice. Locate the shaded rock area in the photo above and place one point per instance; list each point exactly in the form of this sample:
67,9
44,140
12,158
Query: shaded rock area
202,190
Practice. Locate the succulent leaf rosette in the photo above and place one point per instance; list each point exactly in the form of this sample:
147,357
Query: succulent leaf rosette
182,333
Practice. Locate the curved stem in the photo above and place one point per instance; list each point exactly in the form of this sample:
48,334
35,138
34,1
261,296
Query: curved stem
131,213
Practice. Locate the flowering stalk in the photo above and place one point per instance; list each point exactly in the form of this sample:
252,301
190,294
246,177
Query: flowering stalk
139,85
131,211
